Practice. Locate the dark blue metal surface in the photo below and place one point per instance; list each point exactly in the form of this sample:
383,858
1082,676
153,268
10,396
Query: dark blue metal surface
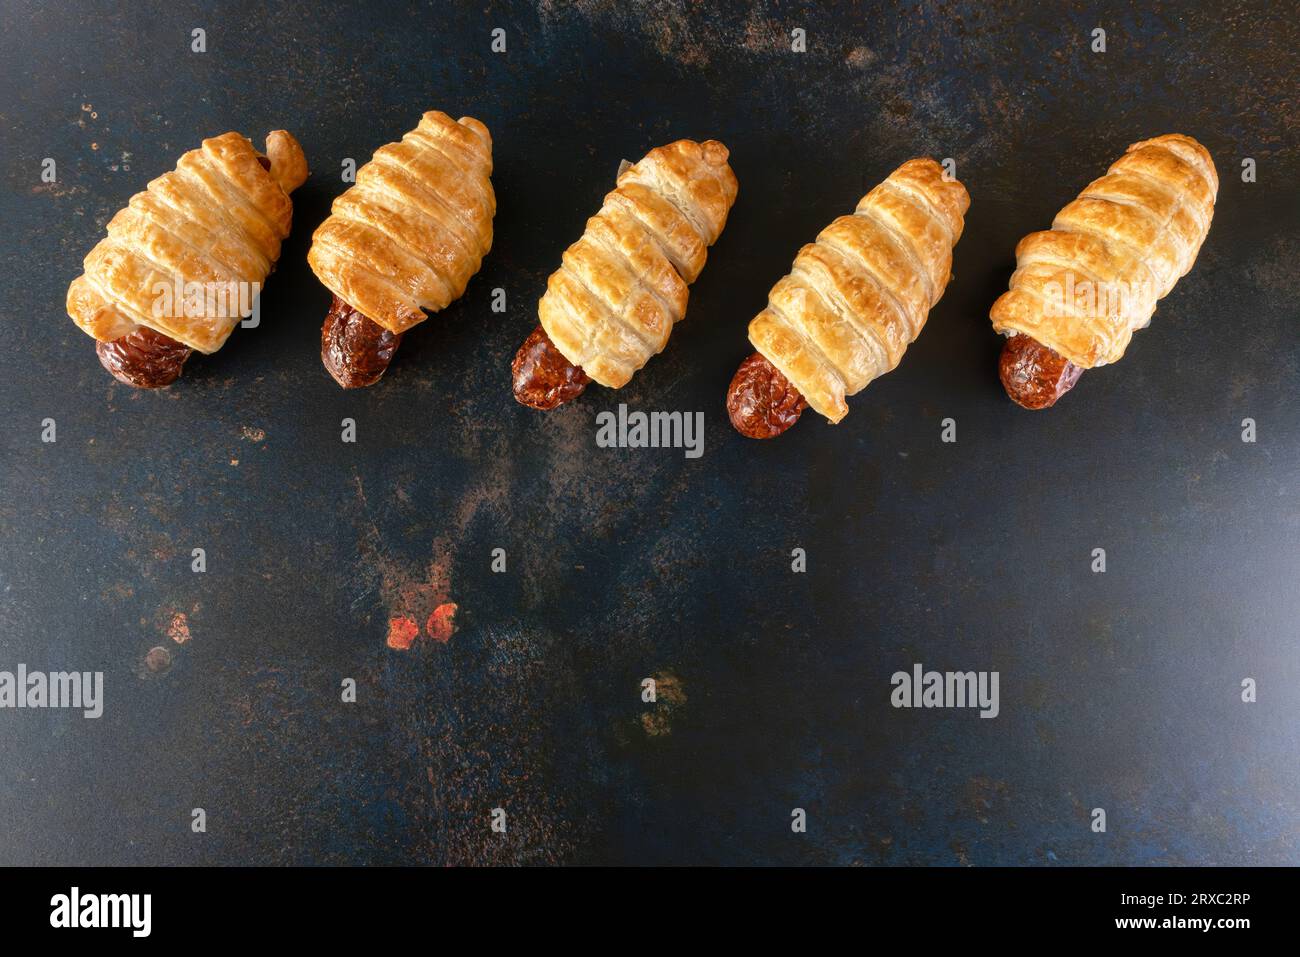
1118,690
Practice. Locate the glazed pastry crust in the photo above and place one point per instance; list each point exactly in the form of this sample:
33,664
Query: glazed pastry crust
859,294
413,229
1085,286
622,287
219,217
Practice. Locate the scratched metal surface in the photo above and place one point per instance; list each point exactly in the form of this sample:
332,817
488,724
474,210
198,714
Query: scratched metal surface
1118,691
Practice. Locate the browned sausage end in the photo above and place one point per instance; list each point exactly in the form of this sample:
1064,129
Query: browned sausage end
143,358
540,375
761,402
1034,375
356,350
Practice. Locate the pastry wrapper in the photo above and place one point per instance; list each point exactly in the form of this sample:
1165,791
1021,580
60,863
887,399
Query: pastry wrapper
1086,285
622,287
860,294
407,237
187,256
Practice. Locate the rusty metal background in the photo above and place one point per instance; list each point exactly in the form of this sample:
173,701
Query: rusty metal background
1118,690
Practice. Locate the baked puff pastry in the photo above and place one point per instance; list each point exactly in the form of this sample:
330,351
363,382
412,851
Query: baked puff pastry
1082,288
405,238
854,301
183,262
622,287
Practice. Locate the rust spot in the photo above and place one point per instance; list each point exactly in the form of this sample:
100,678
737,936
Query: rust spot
158,660
401,632
178,629
442,623
860,57
670,696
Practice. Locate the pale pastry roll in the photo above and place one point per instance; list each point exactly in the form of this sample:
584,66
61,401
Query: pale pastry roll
403,241
1081,289
183,261
622,286
853,302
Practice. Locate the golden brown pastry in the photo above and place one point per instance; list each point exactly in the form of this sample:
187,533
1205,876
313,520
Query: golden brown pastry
855,299
1081,289
183,261
620,288
405,238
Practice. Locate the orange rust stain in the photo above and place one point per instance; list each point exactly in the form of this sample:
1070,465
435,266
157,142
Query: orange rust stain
178,629
401,632
442,623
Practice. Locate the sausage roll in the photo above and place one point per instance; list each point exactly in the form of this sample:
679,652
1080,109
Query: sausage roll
405,238
854,300
1081,289
620,288
183,262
